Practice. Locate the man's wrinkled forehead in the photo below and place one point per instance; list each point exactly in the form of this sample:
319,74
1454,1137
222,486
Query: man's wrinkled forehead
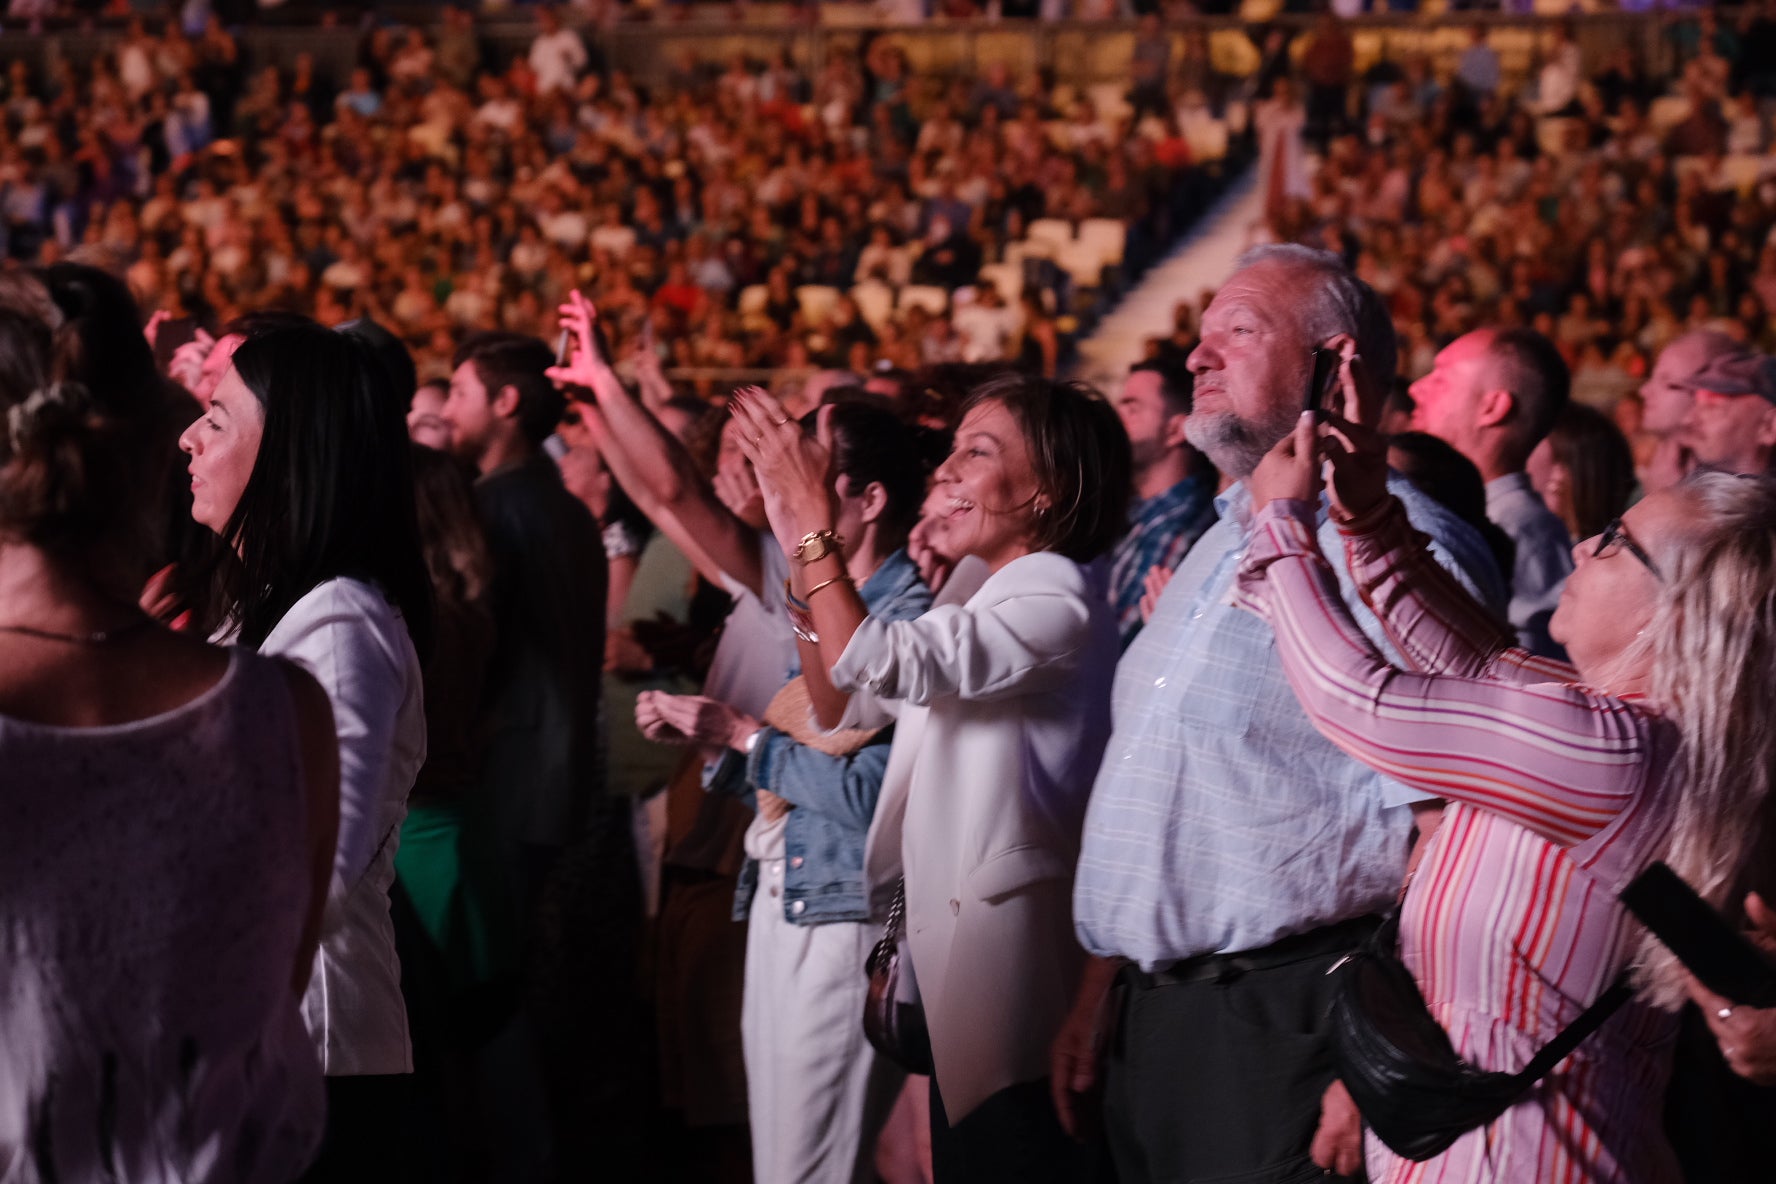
1260,287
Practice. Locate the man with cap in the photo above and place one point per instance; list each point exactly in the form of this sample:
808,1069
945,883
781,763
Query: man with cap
1731,425
1669,396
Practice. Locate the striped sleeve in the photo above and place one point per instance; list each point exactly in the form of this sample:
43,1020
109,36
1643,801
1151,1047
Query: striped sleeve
1555,759
1433,622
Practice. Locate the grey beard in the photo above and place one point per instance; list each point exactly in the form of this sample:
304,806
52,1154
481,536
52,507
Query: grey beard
1235,445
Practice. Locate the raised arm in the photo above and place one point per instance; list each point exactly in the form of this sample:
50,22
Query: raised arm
1431,620
1557,760
653,467
794,472
624,471
1437,627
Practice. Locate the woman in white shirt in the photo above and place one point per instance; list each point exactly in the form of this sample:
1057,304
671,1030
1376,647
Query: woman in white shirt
301,465
1000,696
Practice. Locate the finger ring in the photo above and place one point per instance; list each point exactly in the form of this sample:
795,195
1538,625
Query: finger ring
781,422
1725,1013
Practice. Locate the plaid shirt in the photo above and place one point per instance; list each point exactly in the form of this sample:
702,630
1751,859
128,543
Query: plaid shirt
1161,530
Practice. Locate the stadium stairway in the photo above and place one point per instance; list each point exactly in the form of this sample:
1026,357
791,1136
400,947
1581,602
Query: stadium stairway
1197,264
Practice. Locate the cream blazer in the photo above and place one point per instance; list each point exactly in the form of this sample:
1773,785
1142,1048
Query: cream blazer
1003,713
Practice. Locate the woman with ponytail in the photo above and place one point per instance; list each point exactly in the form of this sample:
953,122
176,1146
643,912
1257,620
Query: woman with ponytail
167,818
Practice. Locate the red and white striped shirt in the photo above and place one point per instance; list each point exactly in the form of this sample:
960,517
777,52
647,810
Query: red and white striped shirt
1559,795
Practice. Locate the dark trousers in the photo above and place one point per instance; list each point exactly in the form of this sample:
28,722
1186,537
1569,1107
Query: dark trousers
366,1119
1221,1078
1013,1137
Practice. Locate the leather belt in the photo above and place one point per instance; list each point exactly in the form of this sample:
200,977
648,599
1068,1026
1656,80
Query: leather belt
1220,968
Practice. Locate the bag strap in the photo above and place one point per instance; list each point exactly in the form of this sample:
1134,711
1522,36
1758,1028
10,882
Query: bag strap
1574,1034
896,913
1567,1039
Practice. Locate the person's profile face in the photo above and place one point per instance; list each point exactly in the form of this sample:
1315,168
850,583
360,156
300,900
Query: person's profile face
1252,367
1142,409
1610,597
1732,433
1666,395
986,493
468,413
223,444
216,364
425,418
1443,399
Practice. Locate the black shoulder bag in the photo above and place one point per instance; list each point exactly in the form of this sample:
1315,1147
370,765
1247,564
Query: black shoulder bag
1414,1091
893,1018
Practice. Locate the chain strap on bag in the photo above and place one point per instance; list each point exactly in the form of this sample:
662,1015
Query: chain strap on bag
893,1017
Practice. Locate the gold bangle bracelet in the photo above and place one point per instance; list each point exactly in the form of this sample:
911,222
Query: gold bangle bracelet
845,579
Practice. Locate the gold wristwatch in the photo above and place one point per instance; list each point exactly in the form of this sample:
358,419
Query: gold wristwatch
817,544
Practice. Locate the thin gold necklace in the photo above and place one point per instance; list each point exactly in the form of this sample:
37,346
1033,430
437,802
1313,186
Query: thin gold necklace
100,637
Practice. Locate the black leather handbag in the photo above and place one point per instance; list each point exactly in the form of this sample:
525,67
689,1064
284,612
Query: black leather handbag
1415,1092
893,1017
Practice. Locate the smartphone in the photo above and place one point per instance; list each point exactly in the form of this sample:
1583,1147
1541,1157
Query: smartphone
172,334
563,343
1722,958
1319,384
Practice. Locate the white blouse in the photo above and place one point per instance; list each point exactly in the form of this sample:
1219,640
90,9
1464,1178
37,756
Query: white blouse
346,634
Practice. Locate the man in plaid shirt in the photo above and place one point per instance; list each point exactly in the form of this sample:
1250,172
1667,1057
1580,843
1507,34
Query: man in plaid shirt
1174,499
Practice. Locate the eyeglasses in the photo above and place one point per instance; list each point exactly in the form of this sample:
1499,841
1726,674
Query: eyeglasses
1616,535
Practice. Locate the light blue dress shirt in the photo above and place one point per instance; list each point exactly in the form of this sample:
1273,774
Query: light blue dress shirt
1221,820
1542,563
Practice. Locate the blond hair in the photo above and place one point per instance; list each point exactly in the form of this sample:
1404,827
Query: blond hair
1713,648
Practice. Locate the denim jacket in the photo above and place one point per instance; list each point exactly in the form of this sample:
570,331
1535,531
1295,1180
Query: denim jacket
834,797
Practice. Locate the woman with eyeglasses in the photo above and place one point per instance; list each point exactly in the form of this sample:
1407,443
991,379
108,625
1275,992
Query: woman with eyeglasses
1563,782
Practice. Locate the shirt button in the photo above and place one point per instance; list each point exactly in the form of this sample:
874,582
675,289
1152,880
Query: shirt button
955,907
796,862
1197,615
776,892
1159,682
798,908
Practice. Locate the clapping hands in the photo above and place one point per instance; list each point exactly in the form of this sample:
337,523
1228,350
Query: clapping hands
793,468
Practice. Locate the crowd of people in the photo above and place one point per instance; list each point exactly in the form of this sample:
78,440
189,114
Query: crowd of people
1612,210
442,747
746,214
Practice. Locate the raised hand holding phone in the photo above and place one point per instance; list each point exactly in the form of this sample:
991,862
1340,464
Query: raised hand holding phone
580,359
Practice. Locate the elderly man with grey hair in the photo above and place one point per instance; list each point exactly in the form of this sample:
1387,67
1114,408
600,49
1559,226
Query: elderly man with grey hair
1231,854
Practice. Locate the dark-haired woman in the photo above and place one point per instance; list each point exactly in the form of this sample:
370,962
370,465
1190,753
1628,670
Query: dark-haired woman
1584,470
1002,707
301,465
166,825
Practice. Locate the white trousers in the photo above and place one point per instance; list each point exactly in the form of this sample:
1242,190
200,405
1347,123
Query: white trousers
818,1092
